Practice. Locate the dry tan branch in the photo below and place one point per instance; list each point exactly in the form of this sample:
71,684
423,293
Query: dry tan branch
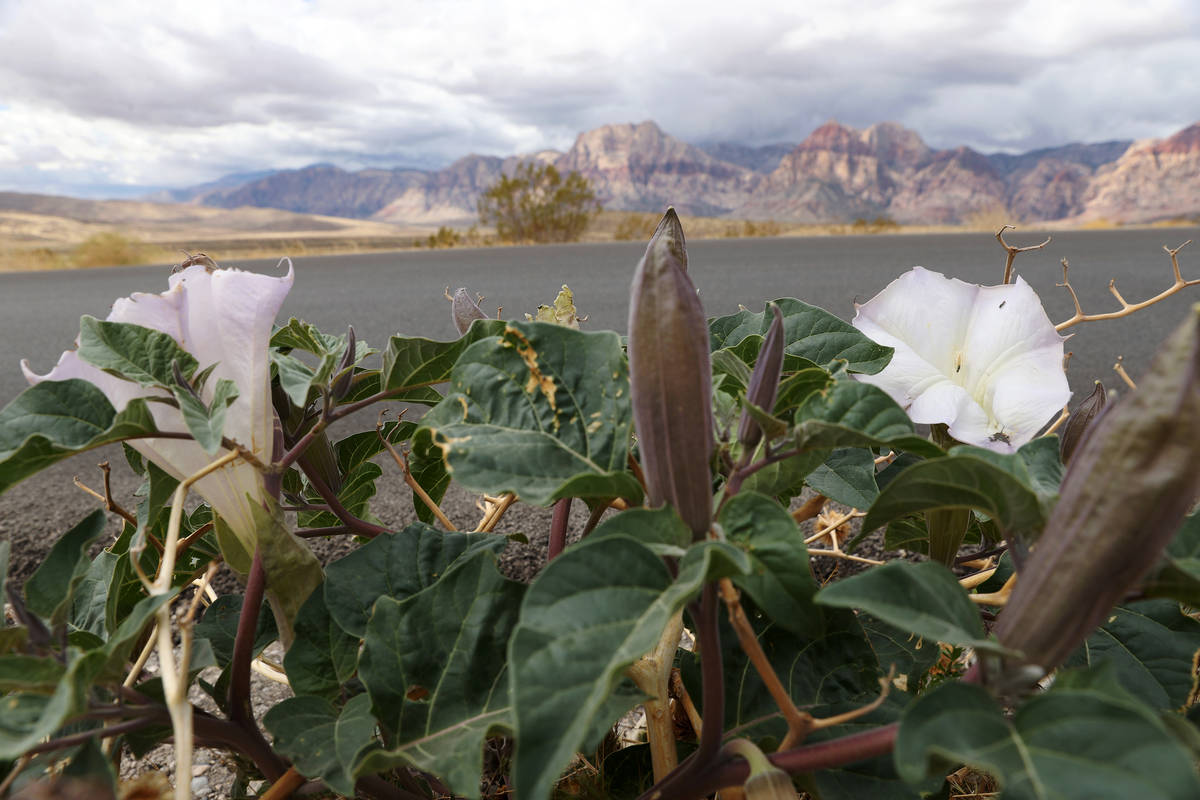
1127,308
1119,368
401,460
1012,251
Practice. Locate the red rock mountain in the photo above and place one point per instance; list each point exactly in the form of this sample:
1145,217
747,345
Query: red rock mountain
1154,179
836,174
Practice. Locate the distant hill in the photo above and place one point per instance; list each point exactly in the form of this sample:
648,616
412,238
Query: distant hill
836,174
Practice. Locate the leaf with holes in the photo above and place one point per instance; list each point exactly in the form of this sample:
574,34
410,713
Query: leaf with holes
542,411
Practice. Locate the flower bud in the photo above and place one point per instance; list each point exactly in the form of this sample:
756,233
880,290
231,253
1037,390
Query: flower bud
1080,420
464,310
345,370
765,781
1129,485
764,381
670,379
770,784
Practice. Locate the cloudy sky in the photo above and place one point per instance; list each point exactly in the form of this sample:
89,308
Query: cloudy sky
105,98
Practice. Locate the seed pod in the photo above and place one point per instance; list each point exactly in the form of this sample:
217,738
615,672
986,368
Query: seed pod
1128,487
670,379
464,310
764,381
1080,419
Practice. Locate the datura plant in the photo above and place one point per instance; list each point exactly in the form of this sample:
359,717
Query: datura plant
1028,633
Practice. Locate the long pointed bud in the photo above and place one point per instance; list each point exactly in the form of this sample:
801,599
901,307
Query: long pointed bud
1128,487
671,380
1080,420
764,381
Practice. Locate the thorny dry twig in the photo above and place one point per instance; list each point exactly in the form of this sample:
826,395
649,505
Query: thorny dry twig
1012,251
1119,368
1127,308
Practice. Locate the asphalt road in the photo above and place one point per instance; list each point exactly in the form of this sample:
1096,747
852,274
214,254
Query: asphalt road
382,294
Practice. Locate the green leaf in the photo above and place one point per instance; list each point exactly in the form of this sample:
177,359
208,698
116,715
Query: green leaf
395,565
924,599
911,654
1078,741
569,650
5,550
541,411
780,581
358,487
30,718
853,414
416,362
50,589
446,646
660,529
132,352
206,424
1178,575
847,477
359,447
322,742
796,388
55,419
300,335
1151,647
24,673
295,377
960,481
323,656
220,623
89,602
809,332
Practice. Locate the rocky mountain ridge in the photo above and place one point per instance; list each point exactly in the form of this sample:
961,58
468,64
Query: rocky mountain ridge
836,174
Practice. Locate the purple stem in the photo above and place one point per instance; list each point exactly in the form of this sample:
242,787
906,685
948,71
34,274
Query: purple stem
558,528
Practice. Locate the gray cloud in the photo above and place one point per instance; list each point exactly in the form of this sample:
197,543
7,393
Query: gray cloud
114,94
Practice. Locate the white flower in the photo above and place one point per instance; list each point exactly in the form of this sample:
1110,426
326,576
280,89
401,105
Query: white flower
984,360
222,317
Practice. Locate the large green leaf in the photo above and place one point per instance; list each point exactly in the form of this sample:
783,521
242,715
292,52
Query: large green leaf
395,565
435,670
138,354
924,599
25,673
323,742
780,581
220,623
1152,648
358,487
809,332
55,419
910,654
1082,739
853,414
964,480
591,613
846,477
50,590
542,411
418,363
324,656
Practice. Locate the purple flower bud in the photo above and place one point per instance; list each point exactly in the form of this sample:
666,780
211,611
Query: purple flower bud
464,310
1128,487
764,381
1083,416
345,370
670,379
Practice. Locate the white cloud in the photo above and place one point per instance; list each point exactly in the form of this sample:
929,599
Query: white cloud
123,92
